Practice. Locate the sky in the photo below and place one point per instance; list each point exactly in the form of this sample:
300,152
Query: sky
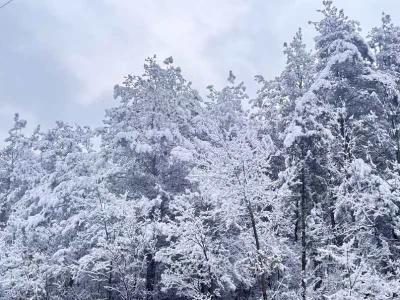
60,59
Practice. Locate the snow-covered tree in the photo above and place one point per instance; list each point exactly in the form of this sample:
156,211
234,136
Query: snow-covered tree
179,198
275,99
357,94
148,139
362,264
15,168
233,223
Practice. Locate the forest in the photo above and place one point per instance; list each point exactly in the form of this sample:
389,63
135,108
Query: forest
291,194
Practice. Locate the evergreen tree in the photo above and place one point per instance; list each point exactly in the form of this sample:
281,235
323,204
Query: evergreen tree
190,199
148,139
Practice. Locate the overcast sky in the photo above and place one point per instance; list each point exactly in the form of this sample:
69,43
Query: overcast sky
59,59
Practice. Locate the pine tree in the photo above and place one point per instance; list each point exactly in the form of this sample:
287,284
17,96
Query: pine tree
148,138
191,199
275,99
296,110
356,93
14,161
233,172
307,146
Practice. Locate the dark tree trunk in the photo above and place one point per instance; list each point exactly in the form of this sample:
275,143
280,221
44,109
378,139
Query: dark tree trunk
110,282
263,282
303,200
150,275
297,221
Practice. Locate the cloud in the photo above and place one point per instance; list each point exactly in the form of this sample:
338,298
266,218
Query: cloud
100,42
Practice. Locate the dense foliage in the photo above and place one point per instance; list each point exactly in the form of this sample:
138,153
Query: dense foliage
179,197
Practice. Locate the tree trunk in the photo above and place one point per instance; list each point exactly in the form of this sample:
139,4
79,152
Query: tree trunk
303,234
150,275
110,283
151,263
263,282
297,221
